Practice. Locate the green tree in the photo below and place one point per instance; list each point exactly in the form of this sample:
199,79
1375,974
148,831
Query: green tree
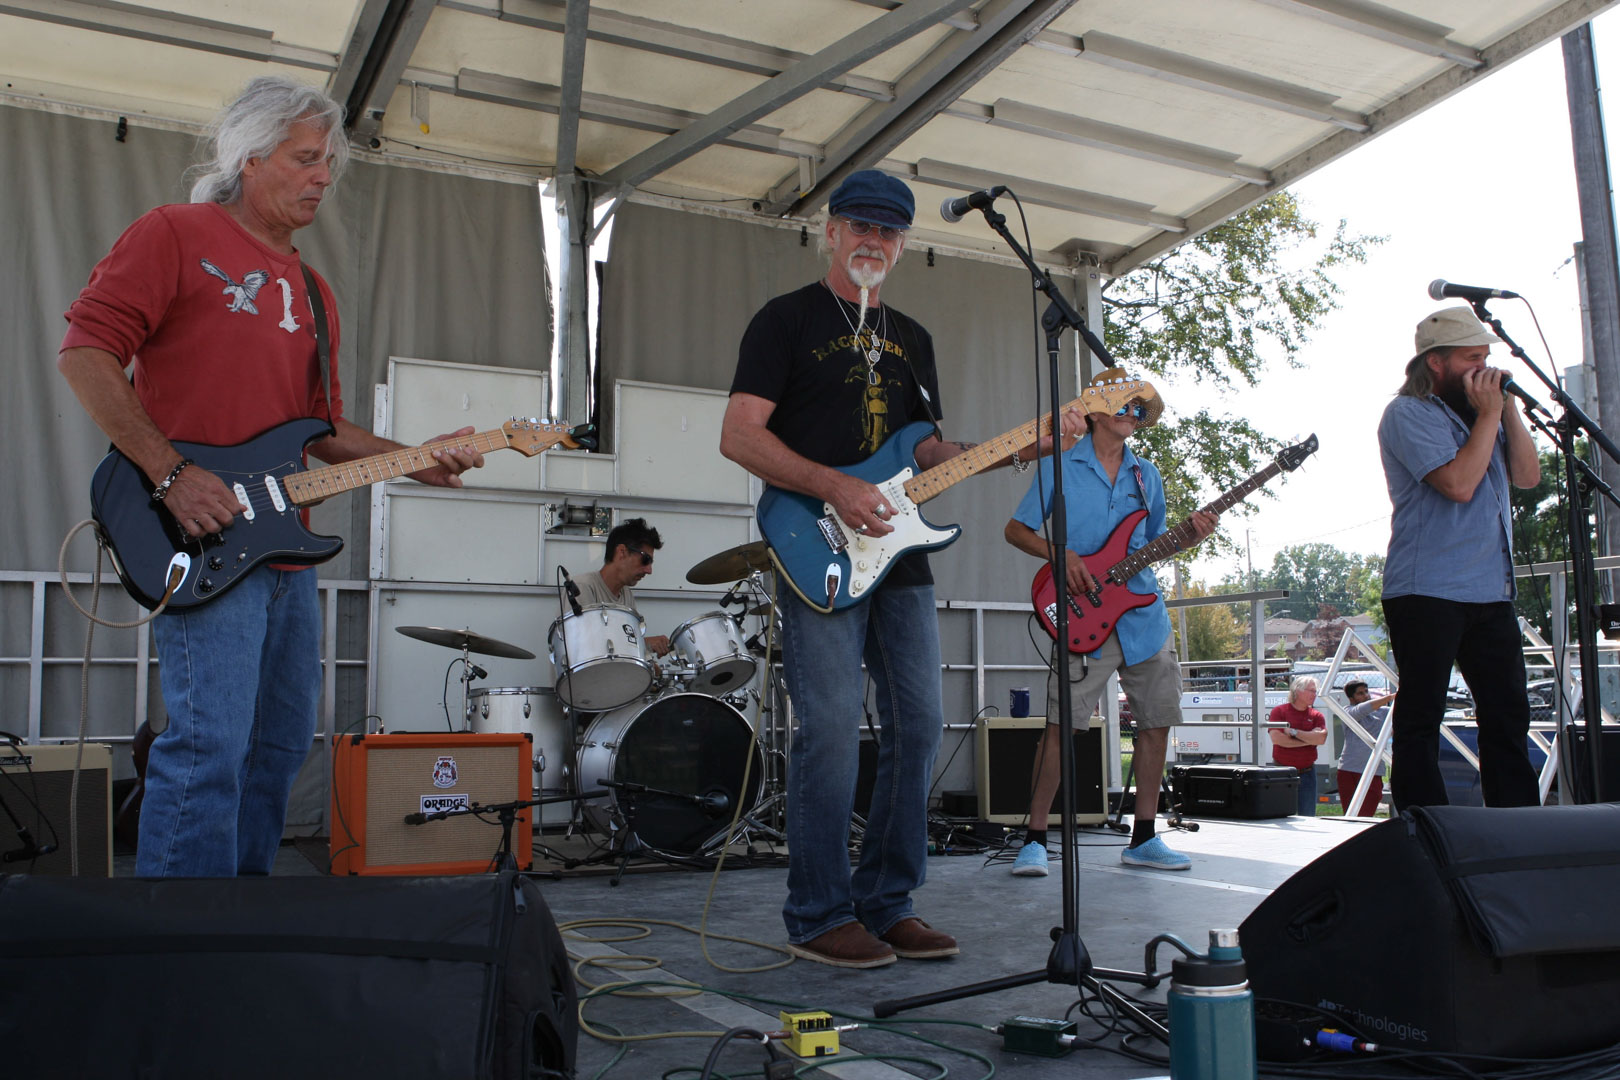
1213,630
1541,534
1320,574
1217,310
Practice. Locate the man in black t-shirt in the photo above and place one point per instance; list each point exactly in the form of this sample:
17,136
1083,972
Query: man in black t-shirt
824,376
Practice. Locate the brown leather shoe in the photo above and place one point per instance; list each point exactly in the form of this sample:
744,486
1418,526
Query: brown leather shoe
916,940
849,946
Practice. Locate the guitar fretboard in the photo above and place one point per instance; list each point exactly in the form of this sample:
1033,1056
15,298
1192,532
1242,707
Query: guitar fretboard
1183,535
317,484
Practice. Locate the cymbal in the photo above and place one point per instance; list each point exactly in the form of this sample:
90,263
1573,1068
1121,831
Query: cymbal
732,565
465,640
760,609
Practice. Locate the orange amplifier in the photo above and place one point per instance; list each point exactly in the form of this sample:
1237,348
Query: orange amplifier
379,779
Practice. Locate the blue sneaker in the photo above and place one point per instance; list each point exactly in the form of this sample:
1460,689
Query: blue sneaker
1154,855
1031,861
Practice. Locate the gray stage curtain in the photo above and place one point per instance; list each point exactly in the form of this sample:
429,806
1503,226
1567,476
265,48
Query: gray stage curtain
423,264
680,290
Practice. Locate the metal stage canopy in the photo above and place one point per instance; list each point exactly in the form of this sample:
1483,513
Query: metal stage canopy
1125,126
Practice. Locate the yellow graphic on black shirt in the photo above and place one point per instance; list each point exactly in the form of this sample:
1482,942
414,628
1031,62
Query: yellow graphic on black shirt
872,411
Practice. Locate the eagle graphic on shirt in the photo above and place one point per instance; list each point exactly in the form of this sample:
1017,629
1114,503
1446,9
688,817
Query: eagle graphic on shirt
241,293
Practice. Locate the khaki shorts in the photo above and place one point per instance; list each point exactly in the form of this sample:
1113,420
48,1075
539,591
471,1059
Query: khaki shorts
1153,687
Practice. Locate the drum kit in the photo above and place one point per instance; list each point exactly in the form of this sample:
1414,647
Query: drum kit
668,740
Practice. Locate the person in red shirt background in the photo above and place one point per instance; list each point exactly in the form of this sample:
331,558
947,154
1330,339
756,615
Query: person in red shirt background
1295,744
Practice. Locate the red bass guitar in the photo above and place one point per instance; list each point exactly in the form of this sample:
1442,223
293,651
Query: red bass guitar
1093,615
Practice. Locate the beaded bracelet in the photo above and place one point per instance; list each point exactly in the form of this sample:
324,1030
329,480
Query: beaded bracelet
161,492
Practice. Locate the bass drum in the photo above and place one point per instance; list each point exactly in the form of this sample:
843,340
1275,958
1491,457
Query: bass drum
689,747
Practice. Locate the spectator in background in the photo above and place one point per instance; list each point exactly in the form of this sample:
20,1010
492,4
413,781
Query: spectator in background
1295,743
1369,712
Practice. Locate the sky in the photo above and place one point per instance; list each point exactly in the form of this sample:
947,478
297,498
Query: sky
1479,189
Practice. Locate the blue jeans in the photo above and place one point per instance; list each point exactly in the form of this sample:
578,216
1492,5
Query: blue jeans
897,633
241,681
1307,792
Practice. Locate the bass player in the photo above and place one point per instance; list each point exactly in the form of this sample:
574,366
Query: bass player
1103,483
824,375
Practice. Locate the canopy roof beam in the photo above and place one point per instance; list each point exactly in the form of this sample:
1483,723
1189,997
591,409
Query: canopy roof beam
932,84
1383,24
668,39
1043,194
573,79
378,54
186,31
1553,24
876,37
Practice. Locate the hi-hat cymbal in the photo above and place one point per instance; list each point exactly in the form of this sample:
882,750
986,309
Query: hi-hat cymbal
732,565
466,641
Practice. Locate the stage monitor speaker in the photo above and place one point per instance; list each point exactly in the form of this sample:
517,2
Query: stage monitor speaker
1454,929
378,779
36,784
1005,757
307,977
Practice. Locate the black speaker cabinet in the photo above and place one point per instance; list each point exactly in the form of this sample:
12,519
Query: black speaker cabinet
1005,759
36,784
309,977
1455,928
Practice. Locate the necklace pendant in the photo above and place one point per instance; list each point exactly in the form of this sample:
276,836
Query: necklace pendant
873,355
872,377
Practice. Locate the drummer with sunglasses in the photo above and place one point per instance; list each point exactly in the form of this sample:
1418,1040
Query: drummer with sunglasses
1104,482
628,559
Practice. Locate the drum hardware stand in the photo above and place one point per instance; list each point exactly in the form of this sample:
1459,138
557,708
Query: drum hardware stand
1169,798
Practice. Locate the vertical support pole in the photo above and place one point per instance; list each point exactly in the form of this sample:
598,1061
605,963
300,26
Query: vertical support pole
1257,676
573,300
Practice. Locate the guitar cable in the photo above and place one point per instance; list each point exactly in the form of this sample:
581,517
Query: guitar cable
84,668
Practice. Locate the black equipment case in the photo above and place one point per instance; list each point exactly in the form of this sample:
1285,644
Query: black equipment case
1236,791
454,977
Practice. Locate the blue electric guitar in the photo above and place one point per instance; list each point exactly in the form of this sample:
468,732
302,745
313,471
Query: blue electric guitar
832,566
157,561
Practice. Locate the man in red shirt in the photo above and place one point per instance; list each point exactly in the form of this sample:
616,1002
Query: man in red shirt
1295,744
208,305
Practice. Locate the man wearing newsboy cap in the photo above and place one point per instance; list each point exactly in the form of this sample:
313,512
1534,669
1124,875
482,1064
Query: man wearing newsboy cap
825,375
1450,447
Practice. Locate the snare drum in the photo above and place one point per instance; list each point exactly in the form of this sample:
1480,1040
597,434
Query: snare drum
600,657
712,646
533,710
691,748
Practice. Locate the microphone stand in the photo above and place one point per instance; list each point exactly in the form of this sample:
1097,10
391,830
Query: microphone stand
1068,964
1581,481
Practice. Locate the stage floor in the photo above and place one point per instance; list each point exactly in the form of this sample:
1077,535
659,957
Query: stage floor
1000,921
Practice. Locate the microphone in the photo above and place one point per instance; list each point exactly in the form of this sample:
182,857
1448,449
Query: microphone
571,589
955,209
731,596
713,801
1441,289
478,672
416,819
1511,387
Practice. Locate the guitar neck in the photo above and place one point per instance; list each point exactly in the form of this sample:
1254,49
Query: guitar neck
1184,535
314,485
941,477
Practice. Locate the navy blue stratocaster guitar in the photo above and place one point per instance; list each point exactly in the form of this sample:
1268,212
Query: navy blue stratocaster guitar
154,556
831,566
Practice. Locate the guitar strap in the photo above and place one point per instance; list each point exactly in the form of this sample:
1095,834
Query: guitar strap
1136,470
323,345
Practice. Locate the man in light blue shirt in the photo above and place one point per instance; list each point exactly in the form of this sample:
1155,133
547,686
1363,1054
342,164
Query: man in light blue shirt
1104,483
1450,448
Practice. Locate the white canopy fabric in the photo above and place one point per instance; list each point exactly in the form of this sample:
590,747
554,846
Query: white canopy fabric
1126,126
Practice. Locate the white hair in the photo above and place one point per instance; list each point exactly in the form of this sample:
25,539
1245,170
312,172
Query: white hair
256,123
1301,684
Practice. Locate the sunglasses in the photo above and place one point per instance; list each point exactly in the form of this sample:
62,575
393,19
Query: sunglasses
865,228
646,556
1135,409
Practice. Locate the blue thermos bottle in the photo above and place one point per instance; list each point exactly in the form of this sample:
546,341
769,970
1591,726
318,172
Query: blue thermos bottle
1212,1013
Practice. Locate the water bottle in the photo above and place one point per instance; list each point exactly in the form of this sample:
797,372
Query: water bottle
1212,1013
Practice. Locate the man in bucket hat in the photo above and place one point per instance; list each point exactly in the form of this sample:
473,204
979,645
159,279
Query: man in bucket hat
1104,482
824,375
1450,447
